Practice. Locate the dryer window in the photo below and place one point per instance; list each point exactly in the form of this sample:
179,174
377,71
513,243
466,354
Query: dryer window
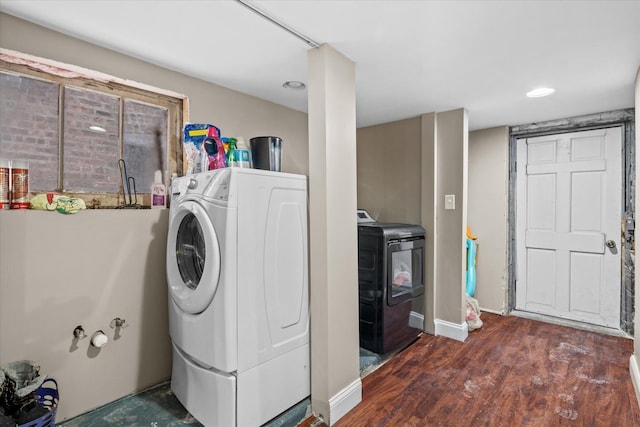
406,266
190,251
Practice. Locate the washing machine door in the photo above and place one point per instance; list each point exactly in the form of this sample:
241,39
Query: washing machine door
193,258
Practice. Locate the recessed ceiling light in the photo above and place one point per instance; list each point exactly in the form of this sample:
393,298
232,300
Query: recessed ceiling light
294,84
540,92
97,129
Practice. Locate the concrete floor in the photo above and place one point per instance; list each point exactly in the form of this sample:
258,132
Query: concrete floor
159,407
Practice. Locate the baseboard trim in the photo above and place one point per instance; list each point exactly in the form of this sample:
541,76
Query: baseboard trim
416,320
344,401
452,330
570,323
634,370
490,310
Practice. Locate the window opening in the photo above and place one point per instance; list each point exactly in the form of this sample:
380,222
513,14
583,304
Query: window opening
73,125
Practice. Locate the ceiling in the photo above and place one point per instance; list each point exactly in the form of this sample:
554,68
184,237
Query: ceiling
411,57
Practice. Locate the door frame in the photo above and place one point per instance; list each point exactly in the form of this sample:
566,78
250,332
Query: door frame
624,118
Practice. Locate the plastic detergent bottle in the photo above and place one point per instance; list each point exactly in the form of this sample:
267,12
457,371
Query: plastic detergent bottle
171,185
158,192
242,153
225,144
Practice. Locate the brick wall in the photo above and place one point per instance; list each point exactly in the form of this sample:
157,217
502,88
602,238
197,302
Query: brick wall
29,127
91,158
145,136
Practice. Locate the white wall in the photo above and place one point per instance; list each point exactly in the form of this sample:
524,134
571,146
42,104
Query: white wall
333,247
428,179
487,214
60,271
389,171
451,179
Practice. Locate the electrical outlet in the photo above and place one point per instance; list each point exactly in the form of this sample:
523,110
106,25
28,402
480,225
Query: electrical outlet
450,201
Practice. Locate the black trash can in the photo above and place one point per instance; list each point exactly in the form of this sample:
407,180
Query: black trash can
266,153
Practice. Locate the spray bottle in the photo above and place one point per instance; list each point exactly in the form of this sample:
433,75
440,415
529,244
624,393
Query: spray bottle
232,154
158,192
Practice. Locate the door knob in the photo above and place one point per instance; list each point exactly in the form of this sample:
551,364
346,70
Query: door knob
611,244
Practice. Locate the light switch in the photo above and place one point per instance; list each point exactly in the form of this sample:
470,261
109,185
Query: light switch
450,201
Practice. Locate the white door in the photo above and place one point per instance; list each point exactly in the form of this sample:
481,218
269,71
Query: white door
568,216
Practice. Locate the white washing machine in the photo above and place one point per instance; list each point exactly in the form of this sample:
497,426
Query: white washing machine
237,270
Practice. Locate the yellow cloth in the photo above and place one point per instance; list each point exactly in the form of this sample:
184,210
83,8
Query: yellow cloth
56,202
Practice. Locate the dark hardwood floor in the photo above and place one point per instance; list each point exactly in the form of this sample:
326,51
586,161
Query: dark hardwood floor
511,372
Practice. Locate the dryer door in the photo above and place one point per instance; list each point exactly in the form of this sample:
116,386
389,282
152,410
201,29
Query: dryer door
193,258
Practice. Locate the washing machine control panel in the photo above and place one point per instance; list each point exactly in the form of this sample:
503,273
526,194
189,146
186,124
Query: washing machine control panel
222,188
212,184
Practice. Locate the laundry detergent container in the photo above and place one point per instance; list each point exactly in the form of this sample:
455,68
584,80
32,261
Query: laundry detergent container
266,153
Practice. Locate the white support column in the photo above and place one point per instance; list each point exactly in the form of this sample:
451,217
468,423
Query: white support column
429,173
333,242
444,174
452,151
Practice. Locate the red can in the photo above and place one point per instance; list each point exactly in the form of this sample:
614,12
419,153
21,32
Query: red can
5,201
20,184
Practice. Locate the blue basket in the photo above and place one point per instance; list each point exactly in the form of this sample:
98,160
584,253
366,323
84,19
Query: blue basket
47,396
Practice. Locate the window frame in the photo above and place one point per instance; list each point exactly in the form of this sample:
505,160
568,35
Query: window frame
66,75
